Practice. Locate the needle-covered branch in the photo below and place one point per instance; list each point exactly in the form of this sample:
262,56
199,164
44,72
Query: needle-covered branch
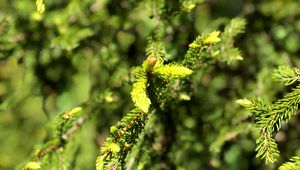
270,117
66,124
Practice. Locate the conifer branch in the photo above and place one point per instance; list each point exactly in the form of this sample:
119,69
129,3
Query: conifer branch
235,27
266,147
66,124
293,164
226,51
155,48
197,49
171,71
286,75
122,137
269,118
139,94
40,6
140,149
222,45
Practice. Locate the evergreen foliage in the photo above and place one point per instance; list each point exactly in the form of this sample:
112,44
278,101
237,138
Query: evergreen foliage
115,149
171,71
292,165
139,94
123,137
65,125
149,84
226,51
40,6
269,118
287,75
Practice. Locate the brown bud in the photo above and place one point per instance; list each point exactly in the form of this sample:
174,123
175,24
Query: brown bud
152,61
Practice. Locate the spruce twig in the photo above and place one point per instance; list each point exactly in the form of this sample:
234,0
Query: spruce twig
269,118
63,135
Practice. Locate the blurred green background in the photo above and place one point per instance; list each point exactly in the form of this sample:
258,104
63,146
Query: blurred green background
82,51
